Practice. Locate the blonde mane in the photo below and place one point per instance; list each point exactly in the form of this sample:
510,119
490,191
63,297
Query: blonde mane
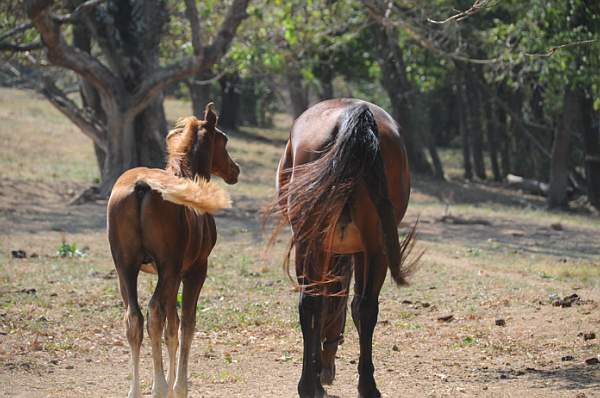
180,142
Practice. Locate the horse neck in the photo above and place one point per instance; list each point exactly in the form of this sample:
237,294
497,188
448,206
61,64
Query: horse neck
191,168
202,164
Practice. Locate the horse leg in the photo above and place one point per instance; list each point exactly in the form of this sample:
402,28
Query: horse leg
365,308
171,337
134,323
309,309
334,319
192,284
157,311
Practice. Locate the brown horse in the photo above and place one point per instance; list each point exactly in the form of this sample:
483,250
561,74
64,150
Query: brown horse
160,221
343,185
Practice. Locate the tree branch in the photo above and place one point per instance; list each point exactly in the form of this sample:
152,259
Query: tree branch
16,30
191,12
209,81
80,9
36,45
163,77
554,49
477,6
218,48
81,117
381,17
61,54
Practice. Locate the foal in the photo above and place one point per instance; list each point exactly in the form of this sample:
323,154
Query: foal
160,221
343,185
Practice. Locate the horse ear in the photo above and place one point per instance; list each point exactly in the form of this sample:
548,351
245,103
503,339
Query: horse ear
210,116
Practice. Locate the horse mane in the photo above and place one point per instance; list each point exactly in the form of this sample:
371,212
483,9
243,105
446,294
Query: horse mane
180,142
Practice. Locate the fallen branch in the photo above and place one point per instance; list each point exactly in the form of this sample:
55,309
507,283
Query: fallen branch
527,185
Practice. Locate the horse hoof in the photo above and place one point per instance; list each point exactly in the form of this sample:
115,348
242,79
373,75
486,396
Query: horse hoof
180,391
134,394
160,390
319,393
373,394
327,376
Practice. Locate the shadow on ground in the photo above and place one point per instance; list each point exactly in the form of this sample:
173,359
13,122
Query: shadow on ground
576,377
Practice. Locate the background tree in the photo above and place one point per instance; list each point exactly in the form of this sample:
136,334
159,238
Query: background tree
115,50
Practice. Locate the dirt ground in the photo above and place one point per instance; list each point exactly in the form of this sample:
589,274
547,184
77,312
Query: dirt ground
61,331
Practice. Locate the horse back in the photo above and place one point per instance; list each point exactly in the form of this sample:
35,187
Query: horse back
316,127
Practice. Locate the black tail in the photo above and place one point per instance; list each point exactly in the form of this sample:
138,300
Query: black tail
376,181
319,191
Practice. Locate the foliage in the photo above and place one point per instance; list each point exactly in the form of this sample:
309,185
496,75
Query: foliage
69,250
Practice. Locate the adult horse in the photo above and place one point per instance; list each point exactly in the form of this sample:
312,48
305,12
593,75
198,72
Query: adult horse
160,221
343,185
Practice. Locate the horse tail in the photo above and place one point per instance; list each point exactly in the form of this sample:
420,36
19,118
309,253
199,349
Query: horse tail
198,194
377,188
396,252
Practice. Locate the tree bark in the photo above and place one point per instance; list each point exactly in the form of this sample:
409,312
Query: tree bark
591,141
521,149
474,114
492,137
559,170
465,128
200,92
505,138
429,119
249,102
325,75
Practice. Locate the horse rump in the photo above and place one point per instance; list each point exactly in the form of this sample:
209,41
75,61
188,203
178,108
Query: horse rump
319,190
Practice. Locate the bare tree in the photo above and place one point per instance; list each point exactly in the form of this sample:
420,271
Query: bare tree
122,84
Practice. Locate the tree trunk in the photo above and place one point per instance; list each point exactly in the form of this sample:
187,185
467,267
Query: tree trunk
465,127
121,153
325,76
559,170
150,132
430,114
591,142
520,147
230,101
397,86
438,168
200,92
298,93
492,137
249,102
503,134
474,114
